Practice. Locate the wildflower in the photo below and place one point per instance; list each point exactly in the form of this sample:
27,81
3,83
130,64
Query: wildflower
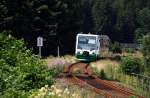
73,95
59,95
52,86
66,90
42,89
46,86
58,91
51,94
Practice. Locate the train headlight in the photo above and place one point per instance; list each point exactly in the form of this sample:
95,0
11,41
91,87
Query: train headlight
78,52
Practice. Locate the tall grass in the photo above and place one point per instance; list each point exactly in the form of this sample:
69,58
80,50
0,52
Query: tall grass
70,91
137,84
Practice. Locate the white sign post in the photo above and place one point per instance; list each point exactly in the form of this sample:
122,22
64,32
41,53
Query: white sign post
40,44
58,55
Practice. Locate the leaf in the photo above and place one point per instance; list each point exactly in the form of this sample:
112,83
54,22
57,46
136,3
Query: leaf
42,7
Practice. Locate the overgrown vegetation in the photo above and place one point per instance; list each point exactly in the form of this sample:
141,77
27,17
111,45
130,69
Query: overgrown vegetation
20,70
129,50
146,52
115,47
131,65
130,73
139,84
101,74
62,91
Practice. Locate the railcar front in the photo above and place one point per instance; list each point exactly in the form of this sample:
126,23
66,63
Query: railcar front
87,47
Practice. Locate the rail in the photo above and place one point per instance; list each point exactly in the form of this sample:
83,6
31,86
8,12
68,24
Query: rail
103,87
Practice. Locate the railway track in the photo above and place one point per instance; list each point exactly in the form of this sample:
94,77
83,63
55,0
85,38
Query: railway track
106,88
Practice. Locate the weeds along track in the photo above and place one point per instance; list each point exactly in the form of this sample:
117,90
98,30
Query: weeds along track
80,66
80,73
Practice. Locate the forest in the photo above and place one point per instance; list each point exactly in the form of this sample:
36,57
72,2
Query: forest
59,21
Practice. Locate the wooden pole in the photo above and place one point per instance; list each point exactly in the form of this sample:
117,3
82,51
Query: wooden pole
40,51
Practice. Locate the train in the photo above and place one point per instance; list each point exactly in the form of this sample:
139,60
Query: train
87,47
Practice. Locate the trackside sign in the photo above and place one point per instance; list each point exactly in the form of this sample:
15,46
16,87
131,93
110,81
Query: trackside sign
40,41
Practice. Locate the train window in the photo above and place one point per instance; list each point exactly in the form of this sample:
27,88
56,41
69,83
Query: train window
87,42
82,40
92,41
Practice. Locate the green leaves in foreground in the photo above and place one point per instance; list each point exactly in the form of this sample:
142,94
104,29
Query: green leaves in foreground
20,70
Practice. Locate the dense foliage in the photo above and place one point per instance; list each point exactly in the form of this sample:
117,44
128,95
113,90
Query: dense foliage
146,48
131,65
146,51
122,20
143,19
115,47
20,70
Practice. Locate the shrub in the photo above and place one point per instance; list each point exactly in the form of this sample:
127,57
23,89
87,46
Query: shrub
116,57
20,70
146,48
128,50
63,91
102,74
115,48
131,65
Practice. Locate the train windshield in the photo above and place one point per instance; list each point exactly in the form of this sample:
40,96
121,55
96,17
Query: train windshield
87,42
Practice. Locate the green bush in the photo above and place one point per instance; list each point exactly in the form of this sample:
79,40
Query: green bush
129,50
102,74
117,58
20,70
146,52
115,48
131,65
146,48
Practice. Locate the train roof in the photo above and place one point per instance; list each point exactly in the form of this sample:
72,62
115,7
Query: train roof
104,37
87,35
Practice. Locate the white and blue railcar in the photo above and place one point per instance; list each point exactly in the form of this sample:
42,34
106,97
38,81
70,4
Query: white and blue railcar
87,47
